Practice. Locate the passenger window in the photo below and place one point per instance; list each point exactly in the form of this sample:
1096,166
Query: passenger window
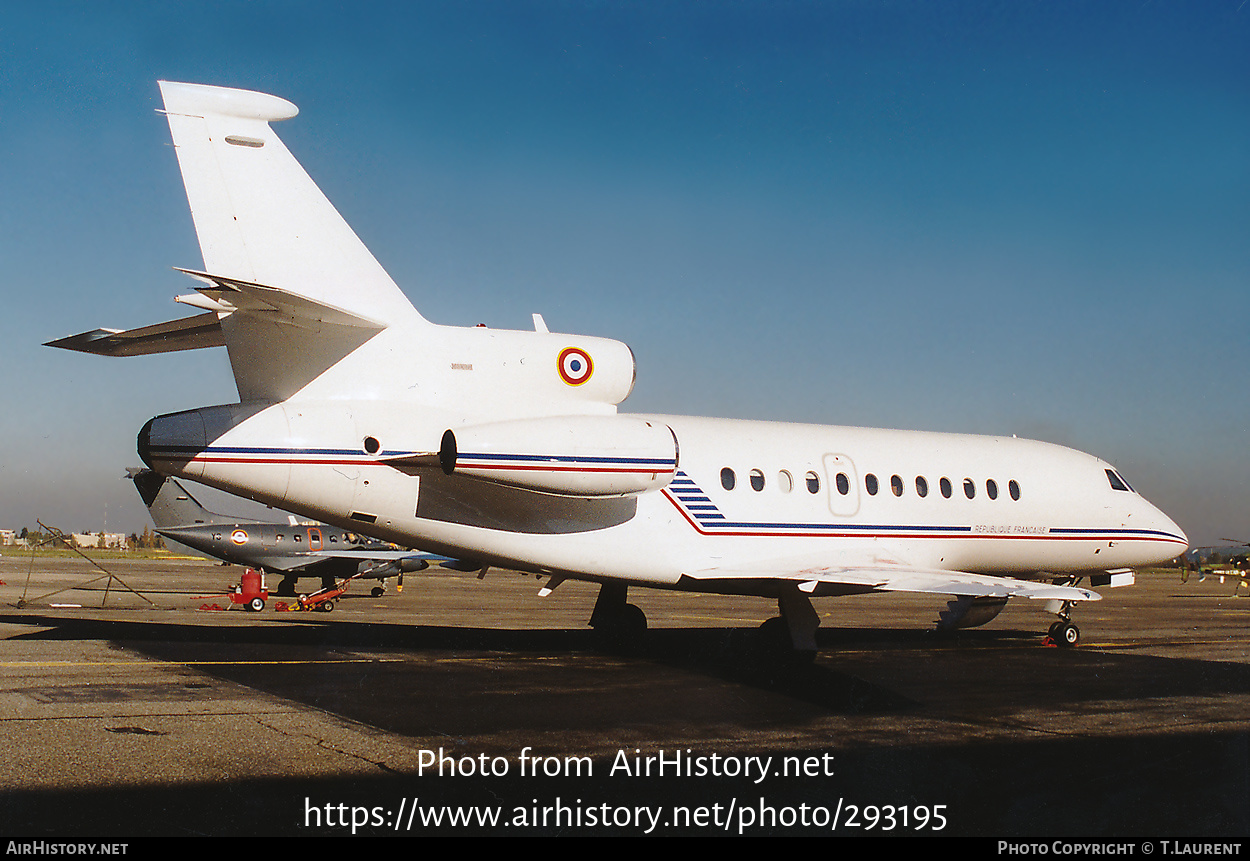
844,483
944,484
970,488
296,536
785,481
813,482
870,484
757,480
1013,489
991,488
896,485
334,539
727,479
922,486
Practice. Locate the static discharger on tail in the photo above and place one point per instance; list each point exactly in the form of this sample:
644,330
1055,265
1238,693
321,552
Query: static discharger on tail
507,448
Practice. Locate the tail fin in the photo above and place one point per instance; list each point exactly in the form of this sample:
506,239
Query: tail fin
296,288
258,215
169,503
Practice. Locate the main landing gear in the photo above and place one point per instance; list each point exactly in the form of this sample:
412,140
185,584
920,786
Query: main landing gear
791,637
1063,633
616,622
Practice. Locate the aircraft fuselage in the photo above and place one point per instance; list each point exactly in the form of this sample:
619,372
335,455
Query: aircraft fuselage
740,491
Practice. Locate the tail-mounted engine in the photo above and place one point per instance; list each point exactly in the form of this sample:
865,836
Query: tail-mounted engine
567,455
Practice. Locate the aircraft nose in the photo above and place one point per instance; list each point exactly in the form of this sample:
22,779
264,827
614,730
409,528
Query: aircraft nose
1177,540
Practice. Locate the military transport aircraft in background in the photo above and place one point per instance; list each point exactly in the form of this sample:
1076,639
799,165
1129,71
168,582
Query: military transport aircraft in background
291,550
506,447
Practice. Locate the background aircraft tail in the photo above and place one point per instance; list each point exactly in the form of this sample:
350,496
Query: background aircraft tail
169,503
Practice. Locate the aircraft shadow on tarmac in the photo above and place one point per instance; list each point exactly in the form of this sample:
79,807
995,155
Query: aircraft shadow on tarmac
419,680
476,683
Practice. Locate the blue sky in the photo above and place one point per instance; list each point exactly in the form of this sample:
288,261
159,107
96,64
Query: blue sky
1015,217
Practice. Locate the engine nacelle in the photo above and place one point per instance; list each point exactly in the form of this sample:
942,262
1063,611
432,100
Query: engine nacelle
566,455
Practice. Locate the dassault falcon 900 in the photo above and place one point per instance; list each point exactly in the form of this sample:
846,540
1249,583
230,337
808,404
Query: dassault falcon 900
506,448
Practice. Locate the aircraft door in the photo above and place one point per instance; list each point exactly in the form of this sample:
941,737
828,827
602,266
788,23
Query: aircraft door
842,482
314,539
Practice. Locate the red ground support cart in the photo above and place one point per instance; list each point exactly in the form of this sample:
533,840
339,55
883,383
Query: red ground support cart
251,593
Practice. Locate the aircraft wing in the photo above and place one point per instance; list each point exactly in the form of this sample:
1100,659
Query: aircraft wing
834,579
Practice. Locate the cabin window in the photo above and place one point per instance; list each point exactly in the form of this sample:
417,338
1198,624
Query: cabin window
844,483
1117,483
277,538
727,479
372,446
970,488
922,486
785,481
757,480
896,485
296,536
991,488
1013,489
813,482
870,484
334,539
944,484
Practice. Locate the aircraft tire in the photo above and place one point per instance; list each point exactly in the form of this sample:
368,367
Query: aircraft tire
623,629
777,646
1069,635
377,591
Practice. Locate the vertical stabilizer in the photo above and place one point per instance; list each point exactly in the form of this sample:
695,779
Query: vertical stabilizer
169,503
259,217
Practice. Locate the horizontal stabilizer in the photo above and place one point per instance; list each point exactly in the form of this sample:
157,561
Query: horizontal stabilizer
249,296
188,333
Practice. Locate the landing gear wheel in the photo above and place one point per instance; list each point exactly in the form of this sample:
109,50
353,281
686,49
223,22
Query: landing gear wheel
377,591
621,629
256,605
1068,635
776,644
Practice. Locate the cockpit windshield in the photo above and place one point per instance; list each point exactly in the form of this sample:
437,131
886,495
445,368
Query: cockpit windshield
1117,482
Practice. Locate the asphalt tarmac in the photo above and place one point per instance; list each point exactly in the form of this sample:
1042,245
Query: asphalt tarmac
144,714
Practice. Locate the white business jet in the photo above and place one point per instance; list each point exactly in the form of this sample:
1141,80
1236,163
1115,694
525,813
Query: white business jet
506,447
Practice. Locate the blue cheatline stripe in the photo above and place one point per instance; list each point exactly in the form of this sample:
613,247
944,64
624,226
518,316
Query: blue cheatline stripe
559,458
709,516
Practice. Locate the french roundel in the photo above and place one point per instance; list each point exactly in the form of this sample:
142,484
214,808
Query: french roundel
575,366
